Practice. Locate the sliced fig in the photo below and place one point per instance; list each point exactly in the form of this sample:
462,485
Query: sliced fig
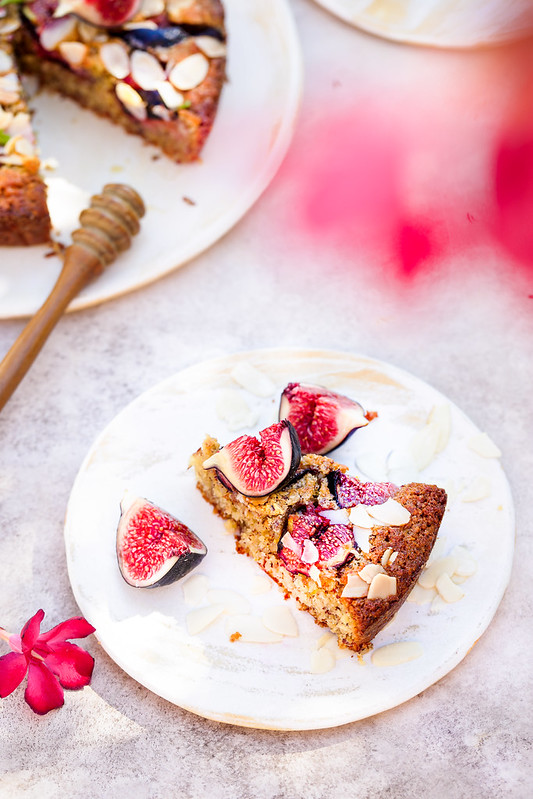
322,418
311,540
351,491
153,547
103,13
257,466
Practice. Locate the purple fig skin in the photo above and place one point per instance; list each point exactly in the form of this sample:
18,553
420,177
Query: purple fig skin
256,468
154,548
322,419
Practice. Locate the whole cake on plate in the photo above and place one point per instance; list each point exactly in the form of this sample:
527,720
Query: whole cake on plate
300,516
155,67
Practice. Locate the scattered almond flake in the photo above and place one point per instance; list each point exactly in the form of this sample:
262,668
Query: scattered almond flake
310,553
390,513
421,596
213,48
199,619
322,661
386,556
429,576
252,630
162,112
261,585
324,640
190,72
115,59
233,409
142,24
447,589
19,145
146,70
314,574
252,379
369,571
8,98
9,25
423,446
466,564
360,517
396,654
57,31
152,8
382,587
437,605
362,536
49,164
232,601
279,619
392,558
170,96
6,118
74,53
441,418
10,82
6,62
195,589
355,587
458,580
131,100
336,516
484,446
479,488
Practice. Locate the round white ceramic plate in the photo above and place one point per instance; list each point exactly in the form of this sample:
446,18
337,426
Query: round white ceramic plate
438,23
146,449
250,136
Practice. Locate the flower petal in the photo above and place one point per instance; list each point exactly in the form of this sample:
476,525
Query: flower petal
30,631
76,627
13,667
72,665
43,692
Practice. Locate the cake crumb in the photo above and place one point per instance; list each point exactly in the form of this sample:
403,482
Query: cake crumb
235,637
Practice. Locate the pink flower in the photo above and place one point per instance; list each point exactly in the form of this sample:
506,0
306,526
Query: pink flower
51,661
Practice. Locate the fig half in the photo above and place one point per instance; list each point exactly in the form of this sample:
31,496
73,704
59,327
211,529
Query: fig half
257,466
322,418
153,547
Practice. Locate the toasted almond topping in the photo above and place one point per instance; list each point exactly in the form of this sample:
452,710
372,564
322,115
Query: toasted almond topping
162,112
20,125
9,25
233,601
390,513
322,661
57,31
6,62
131,100
447,589
360,517
146,70
429,576
396,654
251,629
6,118
386,557
190,72
10,82
143,24
21,146
289,542
195,589
171,98
115,59
86,32
310,553
151,8
12,160
314,574
279,619
369,571
382,587
392,558
479,488
197,620
355,587
484,446
251,378
336,515
213,48
73,52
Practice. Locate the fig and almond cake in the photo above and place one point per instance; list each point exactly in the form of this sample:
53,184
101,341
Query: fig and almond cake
154,67
299,517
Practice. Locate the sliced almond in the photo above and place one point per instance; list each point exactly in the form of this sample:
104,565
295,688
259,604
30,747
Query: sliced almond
396,654
421,596
10,82
479,488
429,576
322,661
115,59
423,446
289,542
369,571
279,619
360,517
9,24
195,589
382,586
146,70
390,513
57,31
336,515
232,601
151,8
170,96
6,118
314,574
190,72
484,446
466,565
310,553
261,585
74,53
251,630
447,589
199,619
252,379
213,48
355,587
393,557
162,112
131,100
386,556
6,62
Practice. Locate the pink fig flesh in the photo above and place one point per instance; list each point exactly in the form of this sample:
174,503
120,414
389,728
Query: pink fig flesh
322,419
153,547
257,466
351,491
312,540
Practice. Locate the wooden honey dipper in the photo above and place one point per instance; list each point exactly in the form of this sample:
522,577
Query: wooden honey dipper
107,229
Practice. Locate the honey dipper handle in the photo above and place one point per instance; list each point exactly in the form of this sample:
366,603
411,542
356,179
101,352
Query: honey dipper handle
78,269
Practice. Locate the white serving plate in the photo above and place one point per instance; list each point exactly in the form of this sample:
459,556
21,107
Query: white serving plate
146,449
251,134
439,23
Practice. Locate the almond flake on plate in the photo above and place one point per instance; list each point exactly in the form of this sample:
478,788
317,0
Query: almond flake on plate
466,565
447,589
232,601
233,409
322,661
479,488
424,444
195,589
251,630
261,585
396,654
279,619
430,575
484,446
252,379
421,596
199,619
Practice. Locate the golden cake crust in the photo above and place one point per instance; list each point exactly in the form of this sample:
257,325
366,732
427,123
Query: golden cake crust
24,216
